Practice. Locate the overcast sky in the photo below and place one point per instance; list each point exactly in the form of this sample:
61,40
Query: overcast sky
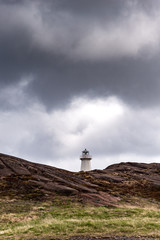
78,74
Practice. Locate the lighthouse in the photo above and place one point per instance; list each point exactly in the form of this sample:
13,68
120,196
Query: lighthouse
85,161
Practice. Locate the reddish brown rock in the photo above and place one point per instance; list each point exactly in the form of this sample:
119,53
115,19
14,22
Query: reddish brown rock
23,179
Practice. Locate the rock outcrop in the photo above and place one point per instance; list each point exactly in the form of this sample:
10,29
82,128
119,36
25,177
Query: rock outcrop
26,180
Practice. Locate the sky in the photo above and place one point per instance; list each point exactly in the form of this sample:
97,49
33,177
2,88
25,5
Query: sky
80,74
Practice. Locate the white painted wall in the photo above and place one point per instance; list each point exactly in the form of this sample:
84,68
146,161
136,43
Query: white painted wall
85,165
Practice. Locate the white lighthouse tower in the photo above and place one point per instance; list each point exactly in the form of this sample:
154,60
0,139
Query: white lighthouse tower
85,161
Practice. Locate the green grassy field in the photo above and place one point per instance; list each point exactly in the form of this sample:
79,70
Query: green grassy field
27,219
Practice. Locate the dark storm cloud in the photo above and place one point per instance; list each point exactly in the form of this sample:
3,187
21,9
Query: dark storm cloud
61,66
136,82
94,64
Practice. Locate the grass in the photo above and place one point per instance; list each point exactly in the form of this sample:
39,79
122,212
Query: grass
43,220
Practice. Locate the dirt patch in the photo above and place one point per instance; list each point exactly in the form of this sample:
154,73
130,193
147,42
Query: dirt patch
111,238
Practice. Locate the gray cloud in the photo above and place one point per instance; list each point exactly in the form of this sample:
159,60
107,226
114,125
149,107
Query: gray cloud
107,126
54,52
72,49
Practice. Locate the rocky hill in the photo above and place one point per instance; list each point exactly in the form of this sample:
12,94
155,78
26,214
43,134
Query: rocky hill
26,180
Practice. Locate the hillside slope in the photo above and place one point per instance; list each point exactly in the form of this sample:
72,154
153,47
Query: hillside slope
26,180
